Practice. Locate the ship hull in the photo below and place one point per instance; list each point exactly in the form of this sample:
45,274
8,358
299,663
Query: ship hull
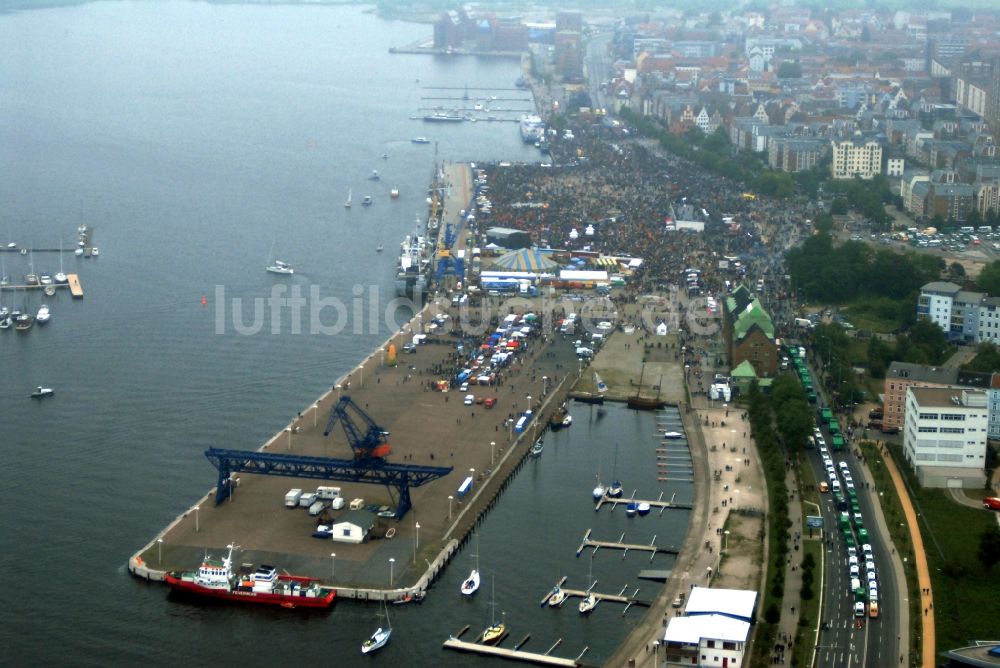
242,596
645,404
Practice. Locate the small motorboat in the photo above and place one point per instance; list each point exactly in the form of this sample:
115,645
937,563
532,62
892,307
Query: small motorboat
367,201
672,435
61,278
41,392
557,597
642,508
420,140
78,252
43,314
49,290
567,421
588,603
379,248
45,279
615,491
374,176
537,447
394,193
95,251
5,322
631,509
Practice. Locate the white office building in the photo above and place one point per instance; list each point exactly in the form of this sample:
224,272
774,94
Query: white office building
944,437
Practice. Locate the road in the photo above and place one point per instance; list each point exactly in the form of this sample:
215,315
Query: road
849,640
597,67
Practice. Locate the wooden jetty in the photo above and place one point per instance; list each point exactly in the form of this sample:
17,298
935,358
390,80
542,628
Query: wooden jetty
659,503
72,282
620,544
517,654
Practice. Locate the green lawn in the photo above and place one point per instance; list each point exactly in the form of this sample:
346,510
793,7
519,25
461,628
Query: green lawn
966,606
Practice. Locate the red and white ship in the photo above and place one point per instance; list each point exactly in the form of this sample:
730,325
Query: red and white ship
217,579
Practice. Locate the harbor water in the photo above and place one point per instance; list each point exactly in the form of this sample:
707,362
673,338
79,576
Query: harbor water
200,142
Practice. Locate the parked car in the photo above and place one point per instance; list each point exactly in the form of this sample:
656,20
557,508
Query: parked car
469,399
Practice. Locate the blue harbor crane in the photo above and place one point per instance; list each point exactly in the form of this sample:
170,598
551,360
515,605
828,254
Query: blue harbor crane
448,263
368,442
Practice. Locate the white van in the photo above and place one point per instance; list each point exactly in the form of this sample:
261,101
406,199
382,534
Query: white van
292,498
328,492
307,499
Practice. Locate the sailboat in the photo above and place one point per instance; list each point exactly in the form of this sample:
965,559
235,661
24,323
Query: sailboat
277,266
470,585
31,278
61,276
589,601
599,490
615,490
381,635
4,279
645,403
347,204
495,632
595,397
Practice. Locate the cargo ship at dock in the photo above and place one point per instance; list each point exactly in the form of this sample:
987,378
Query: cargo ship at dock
216,579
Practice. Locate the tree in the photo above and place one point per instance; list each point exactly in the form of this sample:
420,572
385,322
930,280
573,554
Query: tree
839,206
956,270
989,547
930,338
989,279
987,359
790,69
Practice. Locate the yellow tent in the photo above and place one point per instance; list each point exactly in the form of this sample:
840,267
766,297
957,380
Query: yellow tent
390,358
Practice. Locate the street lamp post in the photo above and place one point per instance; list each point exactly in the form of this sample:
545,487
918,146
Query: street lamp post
493,445
315,413
159,551
333,564
529,402
725,540
416,542
545,385
450,499
392,563
289,431
196,514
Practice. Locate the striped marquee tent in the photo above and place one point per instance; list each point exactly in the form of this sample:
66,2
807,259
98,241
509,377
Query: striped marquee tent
526,259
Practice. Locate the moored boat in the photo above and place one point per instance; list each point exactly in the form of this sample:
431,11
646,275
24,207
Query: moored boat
367,201
215,578
557,597
381,636
588,603
557,421
631,509
43,314
41,392
673,435
394,193
420,140
536,448
642,508
23,322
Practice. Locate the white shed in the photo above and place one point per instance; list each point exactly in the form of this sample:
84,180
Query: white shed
352,527
661,329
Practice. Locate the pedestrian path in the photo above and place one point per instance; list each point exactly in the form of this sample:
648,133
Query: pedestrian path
920,559
792,606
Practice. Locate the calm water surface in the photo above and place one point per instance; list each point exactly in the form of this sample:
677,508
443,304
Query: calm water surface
200,141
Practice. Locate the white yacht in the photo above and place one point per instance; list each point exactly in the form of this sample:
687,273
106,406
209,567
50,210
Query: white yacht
43,314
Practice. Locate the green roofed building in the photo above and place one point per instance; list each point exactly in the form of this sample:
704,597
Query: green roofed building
749,333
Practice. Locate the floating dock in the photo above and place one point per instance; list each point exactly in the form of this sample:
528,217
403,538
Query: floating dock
72,282
620,544
75,288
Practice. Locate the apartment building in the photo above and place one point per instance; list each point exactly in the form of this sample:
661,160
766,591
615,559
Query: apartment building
856,157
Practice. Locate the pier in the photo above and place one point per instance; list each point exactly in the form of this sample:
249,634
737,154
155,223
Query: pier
516,654
621,545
